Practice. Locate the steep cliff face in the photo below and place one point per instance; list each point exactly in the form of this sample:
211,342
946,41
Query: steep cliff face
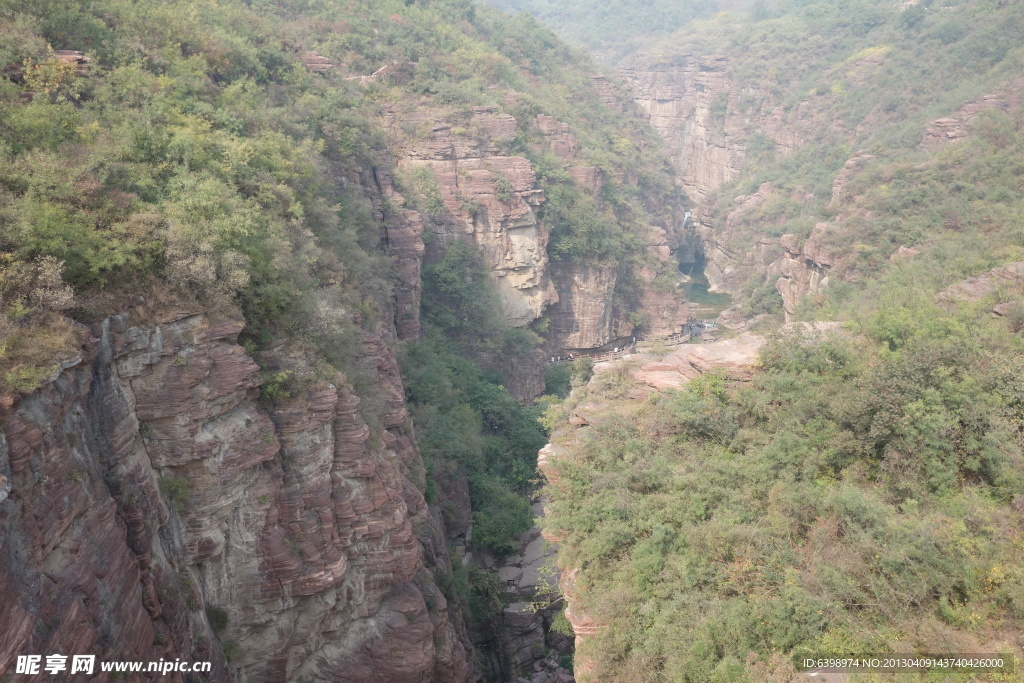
795,266
729,113
403,230
691,101
487,196
804,269
730,263
588,314
147,482
583,317
81,566
663,308
491,198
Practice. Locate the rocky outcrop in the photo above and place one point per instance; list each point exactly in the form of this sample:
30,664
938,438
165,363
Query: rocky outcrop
558,138
707,122
523,637
904,253
729,264
839,184
804,269
683,99
690,101
583,625
314,61
587,314
607,92
527,638
736,358
583,317
590,178
523,373
663,307
961,124
486,197
82,565
529,653
1004,283
796,268
148,482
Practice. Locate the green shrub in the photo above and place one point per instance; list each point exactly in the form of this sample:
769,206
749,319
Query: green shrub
691,517
557,379
275,386
218,619
560,624
503,189
178,490
232,650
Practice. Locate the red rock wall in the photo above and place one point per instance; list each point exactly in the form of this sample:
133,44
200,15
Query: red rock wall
403,230
309,531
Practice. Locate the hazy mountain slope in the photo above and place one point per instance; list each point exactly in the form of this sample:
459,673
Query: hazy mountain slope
852,162
612,29
219,222
792,100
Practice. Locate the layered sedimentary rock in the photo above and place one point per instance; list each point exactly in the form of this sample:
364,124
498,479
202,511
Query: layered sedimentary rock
679,97
480,193
663,308
583,317
591,179
403,230
589,315
531,647
707,122
83,569
561,142
689,99
523,372
839,192
795,268
490,198
149,486
607,92
487,197
523,636
1005,283
805,268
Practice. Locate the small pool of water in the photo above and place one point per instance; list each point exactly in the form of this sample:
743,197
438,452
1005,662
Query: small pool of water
704,303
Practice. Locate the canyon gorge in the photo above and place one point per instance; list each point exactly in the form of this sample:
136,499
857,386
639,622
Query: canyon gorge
287,290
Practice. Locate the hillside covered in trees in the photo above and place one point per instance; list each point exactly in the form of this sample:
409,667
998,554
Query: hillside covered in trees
278,280
219,224
857,172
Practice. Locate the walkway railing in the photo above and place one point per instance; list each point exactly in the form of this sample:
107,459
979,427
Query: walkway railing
665,339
